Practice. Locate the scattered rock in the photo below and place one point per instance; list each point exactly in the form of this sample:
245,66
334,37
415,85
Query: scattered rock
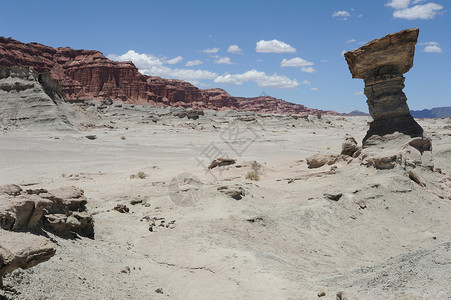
235,192
319,160
219,162
91,137
136,201
341,296
333,197
159,291
349,146
122,208
361,203
417,178
10,189
321,293
384,162
256,219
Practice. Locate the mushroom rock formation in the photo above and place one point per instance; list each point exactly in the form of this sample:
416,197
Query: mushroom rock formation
381,64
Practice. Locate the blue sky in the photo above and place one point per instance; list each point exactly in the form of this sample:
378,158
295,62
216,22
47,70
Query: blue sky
289,49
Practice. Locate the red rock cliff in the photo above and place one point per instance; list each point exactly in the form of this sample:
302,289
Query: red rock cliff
88,74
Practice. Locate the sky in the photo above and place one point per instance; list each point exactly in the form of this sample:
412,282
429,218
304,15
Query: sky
289,49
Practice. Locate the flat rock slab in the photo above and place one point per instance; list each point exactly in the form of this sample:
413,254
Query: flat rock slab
23,250
395,50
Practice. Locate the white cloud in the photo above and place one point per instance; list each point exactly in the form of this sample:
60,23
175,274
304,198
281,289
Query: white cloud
398,4
350,41
433,49
306,82
193,63
324,60
295,62
261,78
175,60
223,60
314,89
358,93
341,14
151,65
234,49
308,69
428,43
343,52
423,11
273,46
210,51
359,16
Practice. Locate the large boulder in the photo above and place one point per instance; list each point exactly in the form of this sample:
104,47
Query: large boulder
22,250
59,210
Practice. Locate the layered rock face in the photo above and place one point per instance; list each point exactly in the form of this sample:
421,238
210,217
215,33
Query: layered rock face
87,74
28,98
381,64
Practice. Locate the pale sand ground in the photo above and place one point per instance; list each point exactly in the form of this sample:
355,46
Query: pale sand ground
300,243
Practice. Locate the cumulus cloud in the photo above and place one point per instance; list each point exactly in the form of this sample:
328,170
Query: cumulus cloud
175,60
341,14
398,4
298,62
273,46
151,65
403,10
295,62
234,49
426,12
261,78
223,60
211,51
433,49
306,82
308,69
193,63
314,89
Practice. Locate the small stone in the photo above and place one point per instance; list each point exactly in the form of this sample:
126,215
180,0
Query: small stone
321,293
136,201
333,197
417,178
122,208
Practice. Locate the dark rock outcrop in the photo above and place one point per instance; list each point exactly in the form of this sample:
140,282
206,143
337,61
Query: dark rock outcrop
88,74
381,64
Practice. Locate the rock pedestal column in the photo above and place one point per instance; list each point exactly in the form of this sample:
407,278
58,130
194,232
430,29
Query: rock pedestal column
381,64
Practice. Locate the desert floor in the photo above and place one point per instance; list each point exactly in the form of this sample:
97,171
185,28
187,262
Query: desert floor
386,237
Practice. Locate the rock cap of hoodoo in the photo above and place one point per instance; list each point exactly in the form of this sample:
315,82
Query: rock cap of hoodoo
396,50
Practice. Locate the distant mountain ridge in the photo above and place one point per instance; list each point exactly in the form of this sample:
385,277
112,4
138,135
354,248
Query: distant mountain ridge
436,112
88,74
